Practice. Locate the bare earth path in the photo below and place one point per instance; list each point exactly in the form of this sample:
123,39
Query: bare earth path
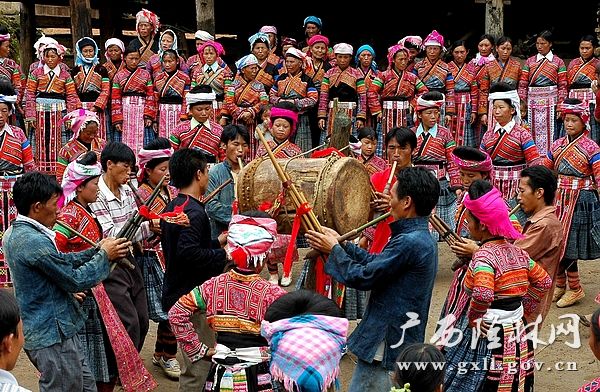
554,356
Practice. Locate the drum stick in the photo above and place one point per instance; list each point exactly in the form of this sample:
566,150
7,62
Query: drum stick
309,151
388,184
309,219
514,210
216,191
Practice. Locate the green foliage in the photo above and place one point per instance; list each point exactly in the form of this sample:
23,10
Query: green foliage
12,24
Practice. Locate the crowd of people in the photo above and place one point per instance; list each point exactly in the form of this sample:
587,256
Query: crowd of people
111,217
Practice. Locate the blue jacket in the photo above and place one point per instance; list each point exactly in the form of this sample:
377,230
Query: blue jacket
44,279
219,207
401,280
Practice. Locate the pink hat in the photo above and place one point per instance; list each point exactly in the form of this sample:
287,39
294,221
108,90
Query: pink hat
434,39
491,210
392,52
318,38
268,29
218,48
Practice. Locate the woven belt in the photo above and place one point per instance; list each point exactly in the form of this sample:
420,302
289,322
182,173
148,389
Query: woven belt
344,105
396,105
508,172
570,182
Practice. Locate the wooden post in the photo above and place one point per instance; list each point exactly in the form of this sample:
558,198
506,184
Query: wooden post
342,125
205,15
494,18
28,35
81,20
111,20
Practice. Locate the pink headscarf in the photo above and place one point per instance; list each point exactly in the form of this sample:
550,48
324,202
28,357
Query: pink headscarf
581,110
268,29
75,175
60,49
412,39
145,156
217,46
392,52
297,53
249,240
434,39
79,119
4,37
491,211
318,38
285,113
145,16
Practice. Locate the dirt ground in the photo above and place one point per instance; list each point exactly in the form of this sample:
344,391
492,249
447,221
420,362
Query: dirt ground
551,376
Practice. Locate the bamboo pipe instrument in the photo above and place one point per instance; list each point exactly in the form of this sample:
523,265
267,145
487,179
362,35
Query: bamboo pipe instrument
514,210
353,233
216,191
388,184
309,151
85,239
309,219
240,162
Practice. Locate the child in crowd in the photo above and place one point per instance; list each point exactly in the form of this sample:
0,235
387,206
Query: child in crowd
368,142
429,378
11,341
284,119
264,126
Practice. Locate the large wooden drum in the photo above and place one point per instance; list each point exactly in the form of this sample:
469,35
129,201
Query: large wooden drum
338,189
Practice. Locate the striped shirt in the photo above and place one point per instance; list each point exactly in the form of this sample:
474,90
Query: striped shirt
113,213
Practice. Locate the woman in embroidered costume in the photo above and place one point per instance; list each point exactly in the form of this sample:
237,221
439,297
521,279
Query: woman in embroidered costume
434,151
466,94
146,24
153,165
260,46
594,343
168,41
504,285
193,62
366,65
170,86
92,81
473,165
304,315
317,52
113,52
576,158
199,132
283,123
133,103
581,73
504,69
392,94
39,47
11,70
85,125
241,356
49,94
436,75
414,44
16,158
543,86
245,97
347,84
510,146
271,32
412,378
484,56
103,329
295,87
212,70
